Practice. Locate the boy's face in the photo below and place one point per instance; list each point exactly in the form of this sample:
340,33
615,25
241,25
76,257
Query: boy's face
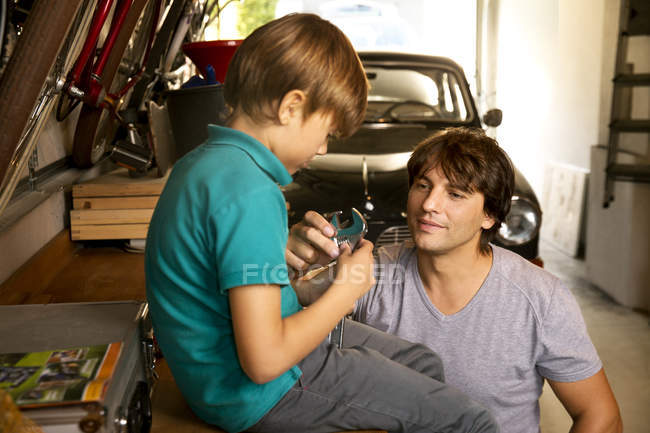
304,139
443,218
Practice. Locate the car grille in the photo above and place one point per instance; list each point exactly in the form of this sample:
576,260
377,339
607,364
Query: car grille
393,235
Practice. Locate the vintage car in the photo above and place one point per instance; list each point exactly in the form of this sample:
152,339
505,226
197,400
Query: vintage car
411,96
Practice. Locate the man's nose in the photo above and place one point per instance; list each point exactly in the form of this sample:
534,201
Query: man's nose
433,202
322,150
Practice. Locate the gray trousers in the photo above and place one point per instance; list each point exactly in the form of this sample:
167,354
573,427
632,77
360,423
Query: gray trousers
376,381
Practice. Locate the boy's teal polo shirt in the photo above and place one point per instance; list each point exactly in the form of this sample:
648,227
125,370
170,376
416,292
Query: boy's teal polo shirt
221,222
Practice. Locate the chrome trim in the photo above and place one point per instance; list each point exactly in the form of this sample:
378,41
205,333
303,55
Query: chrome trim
393,235
348,162
364,175
379,125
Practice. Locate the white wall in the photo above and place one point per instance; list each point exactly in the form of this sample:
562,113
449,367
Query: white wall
554,66
548,82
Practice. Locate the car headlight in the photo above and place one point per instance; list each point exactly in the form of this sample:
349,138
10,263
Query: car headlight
521,224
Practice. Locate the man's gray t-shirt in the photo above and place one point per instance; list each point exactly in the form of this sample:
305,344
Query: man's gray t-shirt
523,325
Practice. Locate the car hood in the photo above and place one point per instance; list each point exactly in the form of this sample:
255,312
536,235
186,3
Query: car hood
383,147
366,171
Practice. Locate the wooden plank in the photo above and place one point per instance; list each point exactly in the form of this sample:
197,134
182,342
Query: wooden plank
108,231
118,183
110,216
138,202
39,271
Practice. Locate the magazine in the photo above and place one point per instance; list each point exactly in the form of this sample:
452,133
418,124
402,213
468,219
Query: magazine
63,376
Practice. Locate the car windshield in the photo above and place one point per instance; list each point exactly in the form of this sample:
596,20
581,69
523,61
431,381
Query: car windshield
423,95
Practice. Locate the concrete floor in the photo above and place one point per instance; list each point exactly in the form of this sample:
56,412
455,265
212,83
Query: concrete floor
622,338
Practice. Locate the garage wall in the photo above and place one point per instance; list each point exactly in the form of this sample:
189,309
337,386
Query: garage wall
552,79
548,81
29,223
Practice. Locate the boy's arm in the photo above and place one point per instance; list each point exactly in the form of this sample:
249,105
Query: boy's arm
590,403
267,344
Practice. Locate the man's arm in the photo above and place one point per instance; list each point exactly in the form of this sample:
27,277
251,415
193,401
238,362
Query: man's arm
590,403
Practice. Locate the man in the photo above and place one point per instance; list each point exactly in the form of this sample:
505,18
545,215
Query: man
500,324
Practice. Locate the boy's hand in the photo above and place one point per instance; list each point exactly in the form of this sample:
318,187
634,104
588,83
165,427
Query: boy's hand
355,270
310,242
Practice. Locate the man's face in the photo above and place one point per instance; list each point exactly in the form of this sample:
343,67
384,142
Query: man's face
443,218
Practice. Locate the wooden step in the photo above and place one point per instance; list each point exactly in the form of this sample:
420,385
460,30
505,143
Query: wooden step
118,183
632,80
630,172
137,202
114,206
631,125
109,216
108,231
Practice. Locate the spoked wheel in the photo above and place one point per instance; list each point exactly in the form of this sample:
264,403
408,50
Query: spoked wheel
28,87
10,23
97,126
4,27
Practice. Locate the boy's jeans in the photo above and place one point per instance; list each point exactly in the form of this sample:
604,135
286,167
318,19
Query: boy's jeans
377,381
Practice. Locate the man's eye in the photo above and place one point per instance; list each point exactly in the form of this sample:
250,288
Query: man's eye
455,195
422,185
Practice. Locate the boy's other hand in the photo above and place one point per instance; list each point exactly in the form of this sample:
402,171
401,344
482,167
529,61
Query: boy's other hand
310,242
355,269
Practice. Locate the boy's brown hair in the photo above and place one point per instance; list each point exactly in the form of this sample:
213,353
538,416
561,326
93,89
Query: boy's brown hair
298,52
473,162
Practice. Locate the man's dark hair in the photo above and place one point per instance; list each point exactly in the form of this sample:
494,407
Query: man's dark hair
473,162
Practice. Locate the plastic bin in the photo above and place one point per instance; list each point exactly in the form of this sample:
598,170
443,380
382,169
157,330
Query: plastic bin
190,112
216,53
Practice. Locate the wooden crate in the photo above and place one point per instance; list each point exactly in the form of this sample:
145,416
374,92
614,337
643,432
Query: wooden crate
114,206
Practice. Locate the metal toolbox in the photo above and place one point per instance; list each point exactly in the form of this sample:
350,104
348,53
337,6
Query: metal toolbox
126,404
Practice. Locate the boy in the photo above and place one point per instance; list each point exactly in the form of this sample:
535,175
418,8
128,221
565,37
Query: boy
244,353
500,324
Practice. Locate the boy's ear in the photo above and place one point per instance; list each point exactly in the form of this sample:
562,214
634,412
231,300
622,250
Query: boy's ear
291,105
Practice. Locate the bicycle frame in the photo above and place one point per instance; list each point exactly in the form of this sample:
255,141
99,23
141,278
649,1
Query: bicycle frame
84,80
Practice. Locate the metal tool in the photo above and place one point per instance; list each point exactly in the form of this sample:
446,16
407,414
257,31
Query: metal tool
349,231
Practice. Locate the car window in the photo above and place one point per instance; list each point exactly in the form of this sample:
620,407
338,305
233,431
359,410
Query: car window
408,95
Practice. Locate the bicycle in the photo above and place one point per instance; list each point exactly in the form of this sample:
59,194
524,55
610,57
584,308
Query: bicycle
57,53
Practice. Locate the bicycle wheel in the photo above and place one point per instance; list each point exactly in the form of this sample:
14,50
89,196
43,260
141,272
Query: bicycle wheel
155,64
43,52
7,33
97,126
4,20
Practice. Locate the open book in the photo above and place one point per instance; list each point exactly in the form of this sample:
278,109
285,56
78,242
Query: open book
55,377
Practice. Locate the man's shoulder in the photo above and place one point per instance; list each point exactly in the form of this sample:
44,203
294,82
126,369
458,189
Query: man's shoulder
517,273
396,253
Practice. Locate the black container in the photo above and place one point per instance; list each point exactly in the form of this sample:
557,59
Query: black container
190,112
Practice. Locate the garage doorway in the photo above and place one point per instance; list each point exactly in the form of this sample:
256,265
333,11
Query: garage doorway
433,27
